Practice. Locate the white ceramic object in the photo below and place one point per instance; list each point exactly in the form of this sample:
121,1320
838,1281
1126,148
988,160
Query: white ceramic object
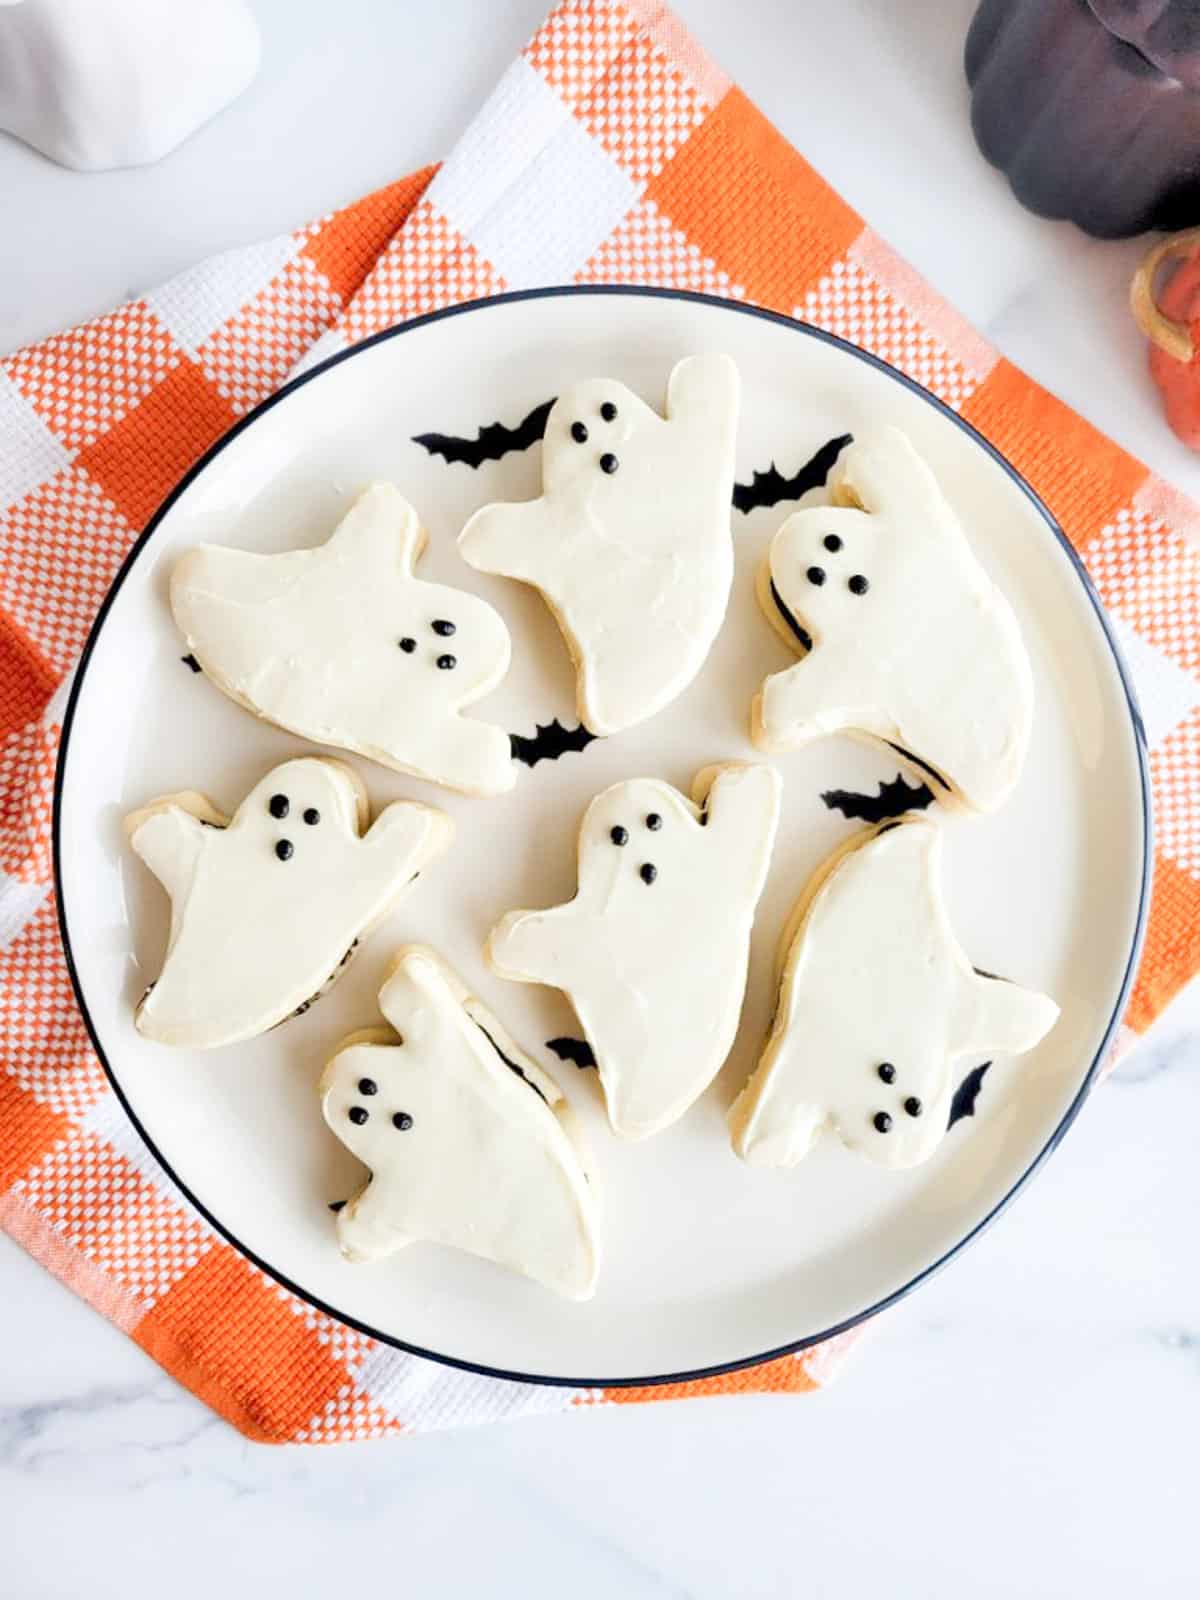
707,1261
95,84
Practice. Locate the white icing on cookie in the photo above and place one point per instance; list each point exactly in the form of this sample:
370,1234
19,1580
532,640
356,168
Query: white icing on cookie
343,645
463,1150
266,906
912,643
652,950
636,561
877,1004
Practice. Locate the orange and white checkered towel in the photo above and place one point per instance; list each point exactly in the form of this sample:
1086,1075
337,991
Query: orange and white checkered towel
612,151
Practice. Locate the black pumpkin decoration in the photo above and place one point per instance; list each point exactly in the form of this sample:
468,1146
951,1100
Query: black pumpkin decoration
1091,108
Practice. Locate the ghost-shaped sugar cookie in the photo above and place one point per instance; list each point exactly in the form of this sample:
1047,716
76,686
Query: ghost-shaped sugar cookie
877,1003
468,1142
343,645
907,639
630,541
652,951
267,905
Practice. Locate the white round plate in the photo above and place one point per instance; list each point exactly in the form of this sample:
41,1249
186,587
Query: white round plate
708,1263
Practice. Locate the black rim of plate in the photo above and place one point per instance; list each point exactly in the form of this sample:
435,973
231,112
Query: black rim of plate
807,330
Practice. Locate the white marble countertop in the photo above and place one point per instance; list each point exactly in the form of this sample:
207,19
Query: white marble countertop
1026,1423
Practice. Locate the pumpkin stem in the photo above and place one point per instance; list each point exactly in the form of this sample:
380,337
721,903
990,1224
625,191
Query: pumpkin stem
1173,337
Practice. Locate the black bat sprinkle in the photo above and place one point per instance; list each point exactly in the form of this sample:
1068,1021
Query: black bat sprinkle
494,439
770,487
893,800
549,742
922,766
336,1205
190,661
965,1096
577,1051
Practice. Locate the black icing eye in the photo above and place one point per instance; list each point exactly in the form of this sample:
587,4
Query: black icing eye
619,835
882,1122
832,542
444,629
648,872
913,1106
609,462
312,816
858,584
816,576
285,850
402,1120
887,1072
358,1115
408,646
654,822
277,805
367,1086
579,433
447,663
608,411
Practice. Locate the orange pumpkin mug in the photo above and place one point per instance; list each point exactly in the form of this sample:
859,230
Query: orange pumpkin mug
1171,322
